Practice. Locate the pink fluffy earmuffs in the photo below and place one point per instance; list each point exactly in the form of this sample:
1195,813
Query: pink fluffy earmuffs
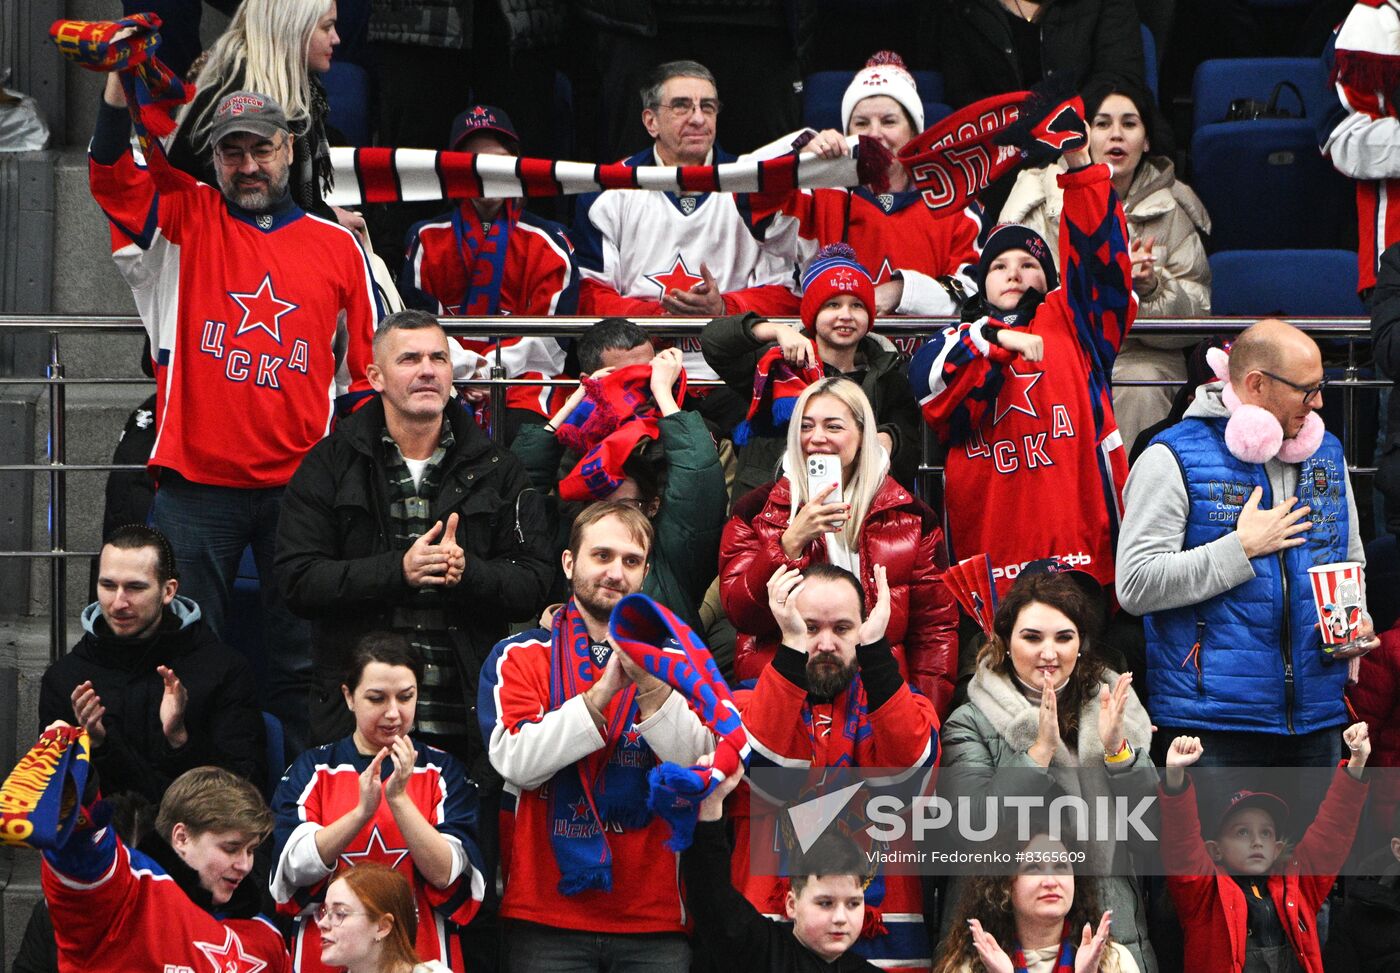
1253,435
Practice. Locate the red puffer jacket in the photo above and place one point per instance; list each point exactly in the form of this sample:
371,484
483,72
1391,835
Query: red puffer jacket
900,532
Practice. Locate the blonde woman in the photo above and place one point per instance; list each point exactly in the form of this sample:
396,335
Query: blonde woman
872,520
277,48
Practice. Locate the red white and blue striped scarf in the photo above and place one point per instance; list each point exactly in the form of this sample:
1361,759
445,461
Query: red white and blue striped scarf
665,646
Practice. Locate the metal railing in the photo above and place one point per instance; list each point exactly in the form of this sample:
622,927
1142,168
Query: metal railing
1354,331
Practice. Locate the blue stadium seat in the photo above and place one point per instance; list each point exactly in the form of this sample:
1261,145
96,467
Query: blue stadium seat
347,90
1266,185
276,750
1289,282
1149,59
822,91
1219,82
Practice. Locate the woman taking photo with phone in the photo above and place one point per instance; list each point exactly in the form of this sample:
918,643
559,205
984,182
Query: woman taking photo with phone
863,519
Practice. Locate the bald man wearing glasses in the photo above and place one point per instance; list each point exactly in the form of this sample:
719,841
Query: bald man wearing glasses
1225,513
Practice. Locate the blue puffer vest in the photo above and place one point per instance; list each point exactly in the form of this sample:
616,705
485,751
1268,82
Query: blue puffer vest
1250,659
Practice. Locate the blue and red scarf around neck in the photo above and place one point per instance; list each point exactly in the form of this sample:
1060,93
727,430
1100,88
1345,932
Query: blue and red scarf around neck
483,255
609,786
1064,963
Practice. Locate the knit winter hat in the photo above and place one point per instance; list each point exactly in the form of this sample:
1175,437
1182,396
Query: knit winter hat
834,271
1014,236
884,74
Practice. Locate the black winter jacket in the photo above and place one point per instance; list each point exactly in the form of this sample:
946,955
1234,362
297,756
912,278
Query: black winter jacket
1083,42
337,566
1385,346
733,352
1366,936
221,715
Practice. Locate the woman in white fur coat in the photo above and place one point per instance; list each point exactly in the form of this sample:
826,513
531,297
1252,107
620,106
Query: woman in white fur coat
1089,736
1166,220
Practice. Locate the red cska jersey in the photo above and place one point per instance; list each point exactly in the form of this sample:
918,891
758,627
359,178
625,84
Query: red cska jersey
1035,463
321,787
539,279
257,323
115,911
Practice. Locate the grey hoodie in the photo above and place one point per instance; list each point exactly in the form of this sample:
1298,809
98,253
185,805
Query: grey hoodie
1154,573
184,609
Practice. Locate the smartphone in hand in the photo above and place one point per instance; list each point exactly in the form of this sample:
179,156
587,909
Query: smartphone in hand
823,469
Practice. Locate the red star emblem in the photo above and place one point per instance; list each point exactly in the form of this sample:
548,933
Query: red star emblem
375,851
230,958
580,809
632,737
844,280
262,309
478,111
678,278
1015,394
886,273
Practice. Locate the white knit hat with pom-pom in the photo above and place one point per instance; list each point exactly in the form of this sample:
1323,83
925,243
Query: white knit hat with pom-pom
883,74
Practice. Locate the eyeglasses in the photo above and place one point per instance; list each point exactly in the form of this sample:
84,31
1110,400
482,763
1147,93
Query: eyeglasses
336,917
683,107
1310,392
233,155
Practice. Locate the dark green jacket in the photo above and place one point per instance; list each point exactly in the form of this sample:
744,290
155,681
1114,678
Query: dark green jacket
733,352
685,556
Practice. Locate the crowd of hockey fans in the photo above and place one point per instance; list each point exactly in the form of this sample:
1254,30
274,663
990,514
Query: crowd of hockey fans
466,747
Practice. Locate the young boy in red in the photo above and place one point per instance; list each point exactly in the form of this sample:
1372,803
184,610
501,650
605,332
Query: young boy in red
1240,906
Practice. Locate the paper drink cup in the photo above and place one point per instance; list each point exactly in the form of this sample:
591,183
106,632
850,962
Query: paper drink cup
1337,594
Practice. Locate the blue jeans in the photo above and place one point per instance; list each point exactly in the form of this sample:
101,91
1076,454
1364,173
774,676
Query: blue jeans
208,527
533,948
1322,748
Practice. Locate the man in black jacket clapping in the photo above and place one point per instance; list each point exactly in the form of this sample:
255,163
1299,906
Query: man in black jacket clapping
155,688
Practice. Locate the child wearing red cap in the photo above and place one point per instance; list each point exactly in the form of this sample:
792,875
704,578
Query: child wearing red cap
1242,905
838,312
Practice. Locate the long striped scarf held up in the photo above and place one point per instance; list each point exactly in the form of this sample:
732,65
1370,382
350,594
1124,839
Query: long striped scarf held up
384,175
128,46
666,648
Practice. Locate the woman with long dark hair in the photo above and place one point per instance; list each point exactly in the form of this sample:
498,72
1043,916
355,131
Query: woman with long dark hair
1043,919
1043,703
1166,224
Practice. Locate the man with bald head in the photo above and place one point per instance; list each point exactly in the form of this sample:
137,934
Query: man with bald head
1225,513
